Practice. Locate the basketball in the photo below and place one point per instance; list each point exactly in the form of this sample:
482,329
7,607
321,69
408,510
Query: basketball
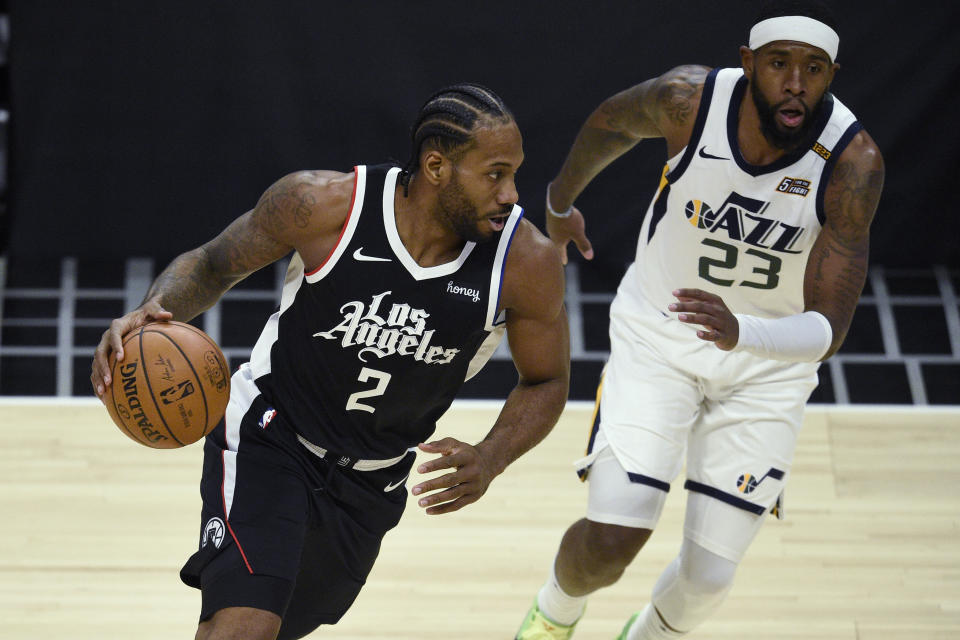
172,386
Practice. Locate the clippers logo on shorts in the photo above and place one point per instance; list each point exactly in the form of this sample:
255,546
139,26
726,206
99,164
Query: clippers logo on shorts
213,533
794,186
268,415
748,482
401,330
741,219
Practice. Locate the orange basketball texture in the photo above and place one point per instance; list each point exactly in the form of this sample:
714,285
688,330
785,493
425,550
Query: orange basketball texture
172,386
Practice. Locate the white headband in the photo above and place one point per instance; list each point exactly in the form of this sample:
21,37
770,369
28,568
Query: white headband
799,28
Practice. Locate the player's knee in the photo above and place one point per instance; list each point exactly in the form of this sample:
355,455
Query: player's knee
714,583
613,546
240,623
703,572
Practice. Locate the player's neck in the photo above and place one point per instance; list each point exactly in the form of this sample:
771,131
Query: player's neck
426,240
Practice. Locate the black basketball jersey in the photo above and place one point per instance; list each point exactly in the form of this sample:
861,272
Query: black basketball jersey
368,350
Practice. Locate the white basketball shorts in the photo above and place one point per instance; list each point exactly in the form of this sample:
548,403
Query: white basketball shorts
667,397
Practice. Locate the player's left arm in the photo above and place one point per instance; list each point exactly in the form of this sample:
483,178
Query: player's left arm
537,331
837,266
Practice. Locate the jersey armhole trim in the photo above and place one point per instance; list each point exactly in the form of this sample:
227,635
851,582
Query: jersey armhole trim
706,97
499,265
349,226
830,164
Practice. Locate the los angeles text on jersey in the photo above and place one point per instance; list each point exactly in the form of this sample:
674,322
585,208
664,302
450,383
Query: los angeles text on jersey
742,219
402,330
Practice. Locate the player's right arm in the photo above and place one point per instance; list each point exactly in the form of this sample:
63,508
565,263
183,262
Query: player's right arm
303,211
662,107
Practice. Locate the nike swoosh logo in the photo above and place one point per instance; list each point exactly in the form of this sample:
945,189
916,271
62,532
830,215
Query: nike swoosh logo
357,255
391,487
709,156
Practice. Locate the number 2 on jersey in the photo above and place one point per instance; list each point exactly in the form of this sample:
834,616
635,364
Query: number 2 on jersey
382,378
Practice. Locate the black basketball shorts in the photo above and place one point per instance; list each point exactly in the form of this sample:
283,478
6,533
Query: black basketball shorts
284,530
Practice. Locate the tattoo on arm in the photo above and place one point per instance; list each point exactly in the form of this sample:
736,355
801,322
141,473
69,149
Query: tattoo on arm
195,280
675,100
185,287
840,257
593,150
617,113
283,205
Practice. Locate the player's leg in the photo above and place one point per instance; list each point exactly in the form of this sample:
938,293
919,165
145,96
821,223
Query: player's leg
646,408
254,516
695,583
597,549
738,462
621,515
351,514
239,623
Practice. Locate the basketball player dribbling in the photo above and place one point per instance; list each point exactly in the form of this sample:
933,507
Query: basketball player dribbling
401,284
749,265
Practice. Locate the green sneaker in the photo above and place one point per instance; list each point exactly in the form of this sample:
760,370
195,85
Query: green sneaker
626,627
537,626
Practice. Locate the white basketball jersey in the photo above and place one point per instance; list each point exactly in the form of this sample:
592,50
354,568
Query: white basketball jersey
741,231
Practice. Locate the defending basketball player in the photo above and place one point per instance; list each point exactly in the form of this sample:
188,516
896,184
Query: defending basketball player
749,265
401,284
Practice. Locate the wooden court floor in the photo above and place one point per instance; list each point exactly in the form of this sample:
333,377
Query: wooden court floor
93,529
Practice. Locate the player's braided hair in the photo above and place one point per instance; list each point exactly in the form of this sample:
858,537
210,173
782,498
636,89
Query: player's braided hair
448,118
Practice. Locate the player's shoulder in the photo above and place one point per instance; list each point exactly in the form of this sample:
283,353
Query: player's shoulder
685,81
674,99
308,199
532,249
685,75
533,274
863,152
855,185
317,184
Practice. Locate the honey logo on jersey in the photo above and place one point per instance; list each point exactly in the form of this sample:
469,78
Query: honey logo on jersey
402,330
471,293
794,186
743,220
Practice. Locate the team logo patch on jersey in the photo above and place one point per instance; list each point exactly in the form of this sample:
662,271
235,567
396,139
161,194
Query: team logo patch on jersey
460,290
747,482
743,219
699,214
794,186
821,151
213,533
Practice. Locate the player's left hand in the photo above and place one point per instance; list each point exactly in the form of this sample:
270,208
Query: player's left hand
720,326
465,485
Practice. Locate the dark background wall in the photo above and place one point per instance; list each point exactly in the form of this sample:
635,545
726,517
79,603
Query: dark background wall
143,128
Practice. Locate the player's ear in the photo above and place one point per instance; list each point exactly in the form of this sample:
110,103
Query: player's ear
746,61
833,72
435,166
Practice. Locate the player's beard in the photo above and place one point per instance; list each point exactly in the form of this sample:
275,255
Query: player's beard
791,138
459,213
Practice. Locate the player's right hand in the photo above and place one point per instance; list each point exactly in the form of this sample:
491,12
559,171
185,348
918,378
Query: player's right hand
112,340
563,230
